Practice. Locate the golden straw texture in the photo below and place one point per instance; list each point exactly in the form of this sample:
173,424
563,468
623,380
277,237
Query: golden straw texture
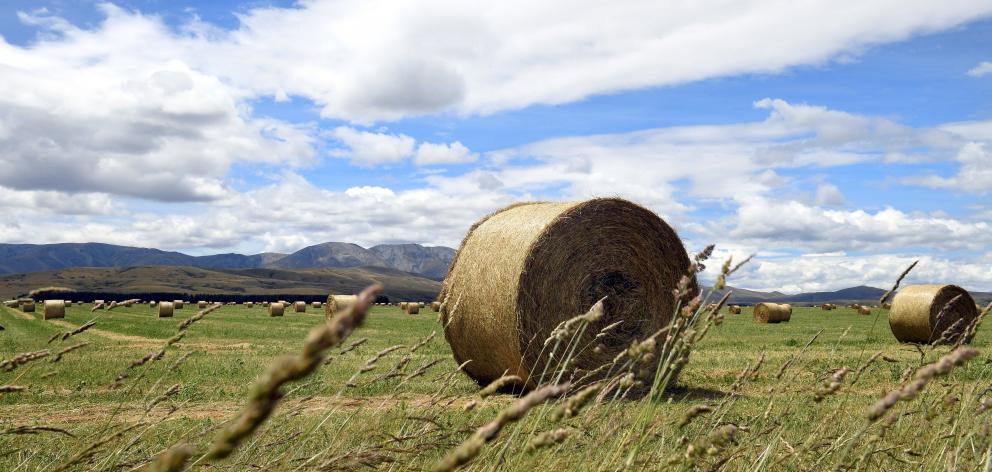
54,309
916,309
772,312
165,309
525,269
276,309
338,303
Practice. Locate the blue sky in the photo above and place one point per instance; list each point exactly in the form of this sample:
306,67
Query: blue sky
836,141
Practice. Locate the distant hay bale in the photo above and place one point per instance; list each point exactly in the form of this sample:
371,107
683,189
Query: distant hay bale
315,304
276,309
864,310
735,309
153,304
403,305
412,308
516,276
300,307
54,309
916,309
201,305
886,306
27,307
828,307
336,303
435,306
98,302
249,304
178,304
772,312
68,303
165,309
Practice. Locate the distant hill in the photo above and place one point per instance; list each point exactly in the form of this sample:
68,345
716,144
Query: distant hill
431,262
238,282
853,294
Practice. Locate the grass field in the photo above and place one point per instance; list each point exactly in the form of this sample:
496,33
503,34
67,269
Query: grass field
346,417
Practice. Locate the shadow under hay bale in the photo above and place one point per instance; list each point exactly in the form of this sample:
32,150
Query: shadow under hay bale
336,303
772,312
517,276
165,309
925,314
54,309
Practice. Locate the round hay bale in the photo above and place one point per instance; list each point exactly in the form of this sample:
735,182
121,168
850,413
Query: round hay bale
524,269
98,302
735,309
914,314
864,310
27,307
68,303
435,306
403,305
315,304
165,309
177,304
249,304
336,303
300,307
11,304
276,309
412,308
152,304
201,305
772,312
54,309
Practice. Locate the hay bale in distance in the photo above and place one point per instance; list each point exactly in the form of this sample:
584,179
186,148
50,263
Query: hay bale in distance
412,308
516,278
54,309
165,309
403,305
435,306
178,304
863,310
249,304
152,304
914,316
735,309
276,309
201,305
315,304
772,312
336,303
27,307
300,307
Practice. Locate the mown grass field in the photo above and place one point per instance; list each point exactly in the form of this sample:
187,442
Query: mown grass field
342,418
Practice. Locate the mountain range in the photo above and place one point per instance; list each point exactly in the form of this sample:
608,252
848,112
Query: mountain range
429,262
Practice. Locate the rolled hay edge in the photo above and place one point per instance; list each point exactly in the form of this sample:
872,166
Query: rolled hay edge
336,303
772,312
166,309
54,309
915,310
513,280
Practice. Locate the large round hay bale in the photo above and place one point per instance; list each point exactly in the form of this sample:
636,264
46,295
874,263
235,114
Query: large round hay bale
165,309
54,309
524,269
915,309
412,308
178,304
28,306
772,312
201,304
336,303
276,309
300,307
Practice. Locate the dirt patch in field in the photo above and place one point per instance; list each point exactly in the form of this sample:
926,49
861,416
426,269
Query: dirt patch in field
20,314
222,410
130,339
